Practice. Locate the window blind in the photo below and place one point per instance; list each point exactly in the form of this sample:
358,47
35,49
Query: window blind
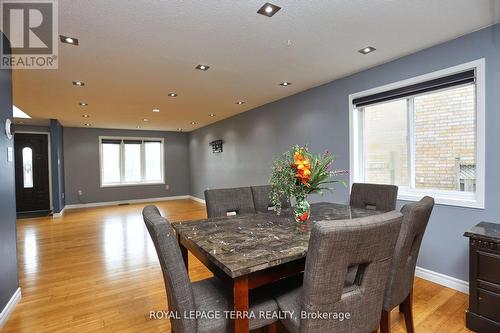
452,80
112,141
131,142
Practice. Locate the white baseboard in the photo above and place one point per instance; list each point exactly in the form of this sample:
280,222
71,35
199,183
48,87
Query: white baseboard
197,199
444,280
4,315
121,202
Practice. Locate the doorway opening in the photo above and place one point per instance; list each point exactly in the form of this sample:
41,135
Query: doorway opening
32,174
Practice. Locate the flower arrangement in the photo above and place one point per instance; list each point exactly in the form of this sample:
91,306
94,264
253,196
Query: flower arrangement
298,173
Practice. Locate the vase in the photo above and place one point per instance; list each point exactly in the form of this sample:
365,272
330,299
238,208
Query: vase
301,210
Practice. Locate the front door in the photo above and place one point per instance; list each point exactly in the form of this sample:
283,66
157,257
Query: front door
32,172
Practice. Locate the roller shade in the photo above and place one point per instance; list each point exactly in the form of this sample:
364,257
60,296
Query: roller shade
111,141
132,142
452,80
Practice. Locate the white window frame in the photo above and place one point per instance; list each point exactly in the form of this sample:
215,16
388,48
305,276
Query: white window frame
122,161
452,198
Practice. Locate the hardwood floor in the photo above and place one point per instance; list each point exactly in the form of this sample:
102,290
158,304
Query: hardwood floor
96,270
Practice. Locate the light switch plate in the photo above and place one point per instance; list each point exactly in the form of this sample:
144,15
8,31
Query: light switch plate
10,154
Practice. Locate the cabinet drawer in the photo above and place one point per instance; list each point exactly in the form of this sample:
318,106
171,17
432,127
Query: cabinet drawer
488,286
488,266
488,304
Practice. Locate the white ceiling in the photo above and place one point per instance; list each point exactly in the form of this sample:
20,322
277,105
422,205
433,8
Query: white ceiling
133,53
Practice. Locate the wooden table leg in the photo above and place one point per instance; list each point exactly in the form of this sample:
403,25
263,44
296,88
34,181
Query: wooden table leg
184,253
272,328
240,304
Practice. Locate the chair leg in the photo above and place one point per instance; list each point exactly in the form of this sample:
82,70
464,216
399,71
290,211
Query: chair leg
385,322
407,309
272,328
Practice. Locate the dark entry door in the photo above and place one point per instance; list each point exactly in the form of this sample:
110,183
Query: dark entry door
32,172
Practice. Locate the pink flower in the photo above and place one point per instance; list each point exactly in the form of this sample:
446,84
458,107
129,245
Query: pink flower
340,172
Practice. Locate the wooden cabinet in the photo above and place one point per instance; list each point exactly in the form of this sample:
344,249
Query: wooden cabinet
483,314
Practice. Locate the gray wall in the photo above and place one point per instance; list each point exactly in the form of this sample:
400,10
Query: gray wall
8,249
57,165
81,166
320,118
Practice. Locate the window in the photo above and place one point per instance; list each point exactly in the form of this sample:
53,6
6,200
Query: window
27,154
425,135
131,161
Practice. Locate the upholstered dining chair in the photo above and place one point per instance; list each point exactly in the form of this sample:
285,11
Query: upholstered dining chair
399,290
335,246
262,201
222,201
374,196
205,295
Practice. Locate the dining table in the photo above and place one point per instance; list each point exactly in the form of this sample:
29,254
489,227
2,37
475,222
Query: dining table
253,250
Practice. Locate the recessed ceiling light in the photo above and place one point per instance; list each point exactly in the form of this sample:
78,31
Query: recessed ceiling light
367,50
156,110
179,129
202,67
85,116
87,124
268,9
172,94
240,102
193,123
83,104
68,40
284,84
78,83
212,115
145,119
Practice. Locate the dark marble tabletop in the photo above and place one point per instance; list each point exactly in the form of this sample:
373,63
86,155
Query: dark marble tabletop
244,244
485,230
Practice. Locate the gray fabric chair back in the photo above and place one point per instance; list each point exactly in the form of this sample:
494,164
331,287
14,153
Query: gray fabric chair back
177,284
219,202
334,247
415,218
262,200
374,196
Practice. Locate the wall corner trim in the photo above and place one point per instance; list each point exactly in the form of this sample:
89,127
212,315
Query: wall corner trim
7,311
192,197
60,214
444,280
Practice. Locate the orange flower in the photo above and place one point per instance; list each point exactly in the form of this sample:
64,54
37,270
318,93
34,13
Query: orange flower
303,167
298,159
297,155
